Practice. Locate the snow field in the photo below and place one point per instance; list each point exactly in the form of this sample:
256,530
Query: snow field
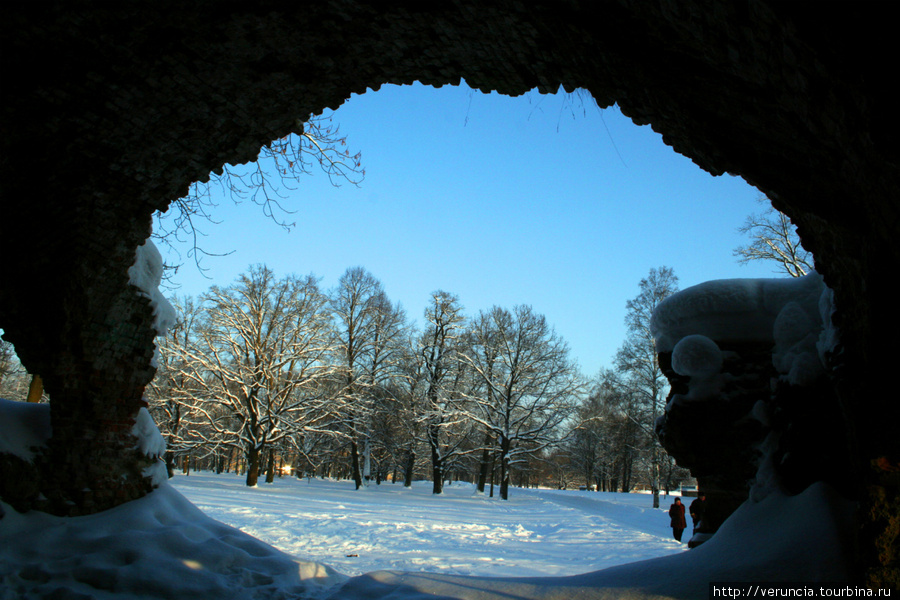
460,532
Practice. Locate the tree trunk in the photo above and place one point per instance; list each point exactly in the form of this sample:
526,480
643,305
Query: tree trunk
504,468
410,465
354,464
270,467
232,460
170,463
252,464
437,472
367,461
485,461
655,484
493,469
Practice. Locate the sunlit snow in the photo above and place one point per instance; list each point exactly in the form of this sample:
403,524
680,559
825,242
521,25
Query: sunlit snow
387,526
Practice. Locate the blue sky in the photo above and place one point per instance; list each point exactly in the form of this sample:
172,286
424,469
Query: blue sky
541,200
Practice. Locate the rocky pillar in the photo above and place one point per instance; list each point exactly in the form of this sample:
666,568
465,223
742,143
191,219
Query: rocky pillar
715,436
100,359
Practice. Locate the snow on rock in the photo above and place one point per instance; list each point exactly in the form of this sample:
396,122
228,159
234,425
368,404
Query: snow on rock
146,275
766,481
793,314
732,309
797,330
696,356
159,546
152,444
25,426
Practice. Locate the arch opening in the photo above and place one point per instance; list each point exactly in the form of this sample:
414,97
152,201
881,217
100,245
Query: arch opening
128,118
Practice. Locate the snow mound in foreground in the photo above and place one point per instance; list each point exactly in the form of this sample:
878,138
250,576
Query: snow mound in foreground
780,539
160,546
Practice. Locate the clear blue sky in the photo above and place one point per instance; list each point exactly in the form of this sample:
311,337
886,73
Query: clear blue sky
541,200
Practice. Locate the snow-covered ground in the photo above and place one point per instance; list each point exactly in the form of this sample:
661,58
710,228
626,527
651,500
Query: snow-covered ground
409,545
535,532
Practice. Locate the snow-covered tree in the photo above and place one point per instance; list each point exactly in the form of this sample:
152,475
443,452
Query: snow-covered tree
15,381
7,356
260,363
606,440
530,386
358,304
8,364
410,405
439,346
584,443
382,365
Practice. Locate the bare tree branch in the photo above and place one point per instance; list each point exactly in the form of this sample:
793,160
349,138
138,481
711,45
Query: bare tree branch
774,238
266,182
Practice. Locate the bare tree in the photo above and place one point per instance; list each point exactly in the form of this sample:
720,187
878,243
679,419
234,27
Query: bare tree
774,238
382,364
533,384
355,304
637,361
482,343
411,406
439,345
584,444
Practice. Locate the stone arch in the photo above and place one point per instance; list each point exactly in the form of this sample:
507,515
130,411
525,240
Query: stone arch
108,114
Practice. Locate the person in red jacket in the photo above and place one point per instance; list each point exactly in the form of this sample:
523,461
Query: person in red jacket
676,515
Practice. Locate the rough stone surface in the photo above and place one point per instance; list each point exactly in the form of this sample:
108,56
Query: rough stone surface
716,438
720,437
109,111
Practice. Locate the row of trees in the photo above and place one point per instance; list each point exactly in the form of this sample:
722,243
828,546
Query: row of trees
270,367
269,371
278,367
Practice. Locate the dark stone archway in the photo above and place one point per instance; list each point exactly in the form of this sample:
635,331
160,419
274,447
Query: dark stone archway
110,111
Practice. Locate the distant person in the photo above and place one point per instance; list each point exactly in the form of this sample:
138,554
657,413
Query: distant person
696,510
676,516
